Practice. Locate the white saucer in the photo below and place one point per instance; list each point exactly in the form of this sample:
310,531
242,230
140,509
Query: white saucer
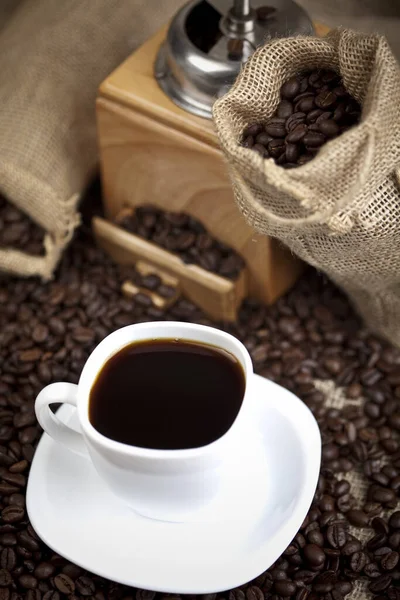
265,497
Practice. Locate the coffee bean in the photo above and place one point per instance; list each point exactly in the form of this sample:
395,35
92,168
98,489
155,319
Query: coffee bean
14,479
382,495
336,536
31,355
390,561
297,134
263,139
5,578
254,129
313,139
276,148
8,559
358,561
305,104
296,119
290,88
324,583
276,130
292,153
314,555
85,586
12,514
44,570
380,584
64,584
28,582
351,547
284,587
40,333
329,128
53,595
379,525
285,109
326,99
376,542
344,587
358,518
394,521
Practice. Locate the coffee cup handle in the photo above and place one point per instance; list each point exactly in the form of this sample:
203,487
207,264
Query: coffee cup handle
64,393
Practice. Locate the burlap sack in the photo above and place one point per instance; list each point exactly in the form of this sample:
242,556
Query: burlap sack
53,56
341,211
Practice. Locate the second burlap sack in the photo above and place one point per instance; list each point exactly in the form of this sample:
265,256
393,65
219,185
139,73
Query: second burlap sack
53,56
341,211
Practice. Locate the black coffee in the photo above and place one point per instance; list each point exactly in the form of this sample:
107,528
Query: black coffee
167,394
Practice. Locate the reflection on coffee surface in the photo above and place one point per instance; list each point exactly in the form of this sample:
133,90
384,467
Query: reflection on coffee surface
167,394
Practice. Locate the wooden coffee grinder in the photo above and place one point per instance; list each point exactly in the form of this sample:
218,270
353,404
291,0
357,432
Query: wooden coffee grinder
158,146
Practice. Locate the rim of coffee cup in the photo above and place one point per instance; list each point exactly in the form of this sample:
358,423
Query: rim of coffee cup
117,340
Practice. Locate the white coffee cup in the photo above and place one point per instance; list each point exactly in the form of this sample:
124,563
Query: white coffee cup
168,485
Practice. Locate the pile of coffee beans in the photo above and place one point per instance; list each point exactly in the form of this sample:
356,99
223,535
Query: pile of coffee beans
185,236
18,231
47,332
314,108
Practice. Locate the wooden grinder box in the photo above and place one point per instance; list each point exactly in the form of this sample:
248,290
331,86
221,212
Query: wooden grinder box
153,152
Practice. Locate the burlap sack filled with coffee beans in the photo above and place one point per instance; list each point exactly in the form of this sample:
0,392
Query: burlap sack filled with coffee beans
340,212
53,56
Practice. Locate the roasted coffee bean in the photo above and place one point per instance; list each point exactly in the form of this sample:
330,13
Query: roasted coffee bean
64,584
305,105
329,128
296,119
382,495
12,514
314,555
292,153
358,518
284,587
44,570
372,570
380,584
394,521
390,561
336,536
85,586
351,547
326,99
358,560
324,583
344,587
253,130
5,578
276,148
29,582
8,559
316,537
394,540
376,542
297,134
290,88
313,139
276,130
53,595
285,109
380,525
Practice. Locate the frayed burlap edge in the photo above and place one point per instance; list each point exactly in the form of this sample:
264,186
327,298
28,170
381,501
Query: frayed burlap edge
16,262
